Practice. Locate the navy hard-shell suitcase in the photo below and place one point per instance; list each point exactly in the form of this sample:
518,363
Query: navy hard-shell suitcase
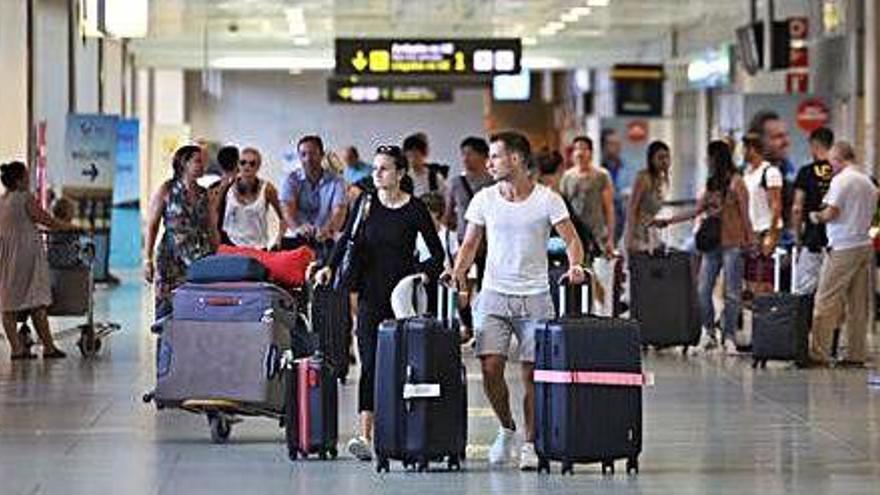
781,323
311,417
664,298
588,392
421,394
226,268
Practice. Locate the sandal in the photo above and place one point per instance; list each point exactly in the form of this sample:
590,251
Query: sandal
23,356
54,354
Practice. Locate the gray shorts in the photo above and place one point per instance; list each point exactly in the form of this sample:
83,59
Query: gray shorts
497,317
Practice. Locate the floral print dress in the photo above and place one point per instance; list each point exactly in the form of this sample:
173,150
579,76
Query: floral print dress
187,237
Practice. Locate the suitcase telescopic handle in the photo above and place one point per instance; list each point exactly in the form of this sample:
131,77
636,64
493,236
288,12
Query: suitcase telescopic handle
778,256
586,295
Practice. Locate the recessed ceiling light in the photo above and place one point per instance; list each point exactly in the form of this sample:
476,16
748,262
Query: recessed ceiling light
581,11
569,17
302,41
547,31
598,3
529,41
556,25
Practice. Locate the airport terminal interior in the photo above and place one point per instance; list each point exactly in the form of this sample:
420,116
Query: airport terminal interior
184,278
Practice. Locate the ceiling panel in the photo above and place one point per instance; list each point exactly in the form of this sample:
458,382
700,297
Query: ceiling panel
182,30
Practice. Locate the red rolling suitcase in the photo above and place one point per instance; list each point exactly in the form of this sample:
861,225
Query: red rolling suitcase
311,413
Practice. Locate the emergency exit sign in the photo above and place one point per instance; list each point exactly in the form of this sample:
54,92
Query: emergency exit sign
427,57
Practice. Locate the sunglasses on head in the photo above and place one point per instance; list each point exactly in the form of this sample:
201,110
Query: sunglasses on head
387,149
247,162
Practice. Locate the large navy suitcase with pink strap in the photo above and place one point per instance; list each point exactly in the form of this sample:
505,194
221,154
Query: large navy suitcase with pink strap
588,392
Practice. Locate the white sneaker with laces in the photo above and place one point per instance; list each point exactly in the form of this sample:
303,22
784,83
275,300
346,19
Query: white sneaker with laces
730,348
528,460
707,343
500,452
360,448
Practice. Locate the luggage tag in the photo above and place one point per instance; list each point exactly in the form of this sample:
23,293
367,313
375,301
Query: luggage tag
421,391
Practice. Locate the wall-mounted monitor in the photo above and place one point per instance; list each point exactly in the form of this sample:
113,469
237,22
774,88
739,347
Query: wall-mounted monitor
516,87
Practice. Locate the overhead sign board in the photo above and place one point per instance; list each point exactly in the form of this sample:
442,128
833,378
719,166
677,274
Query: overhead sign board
427,56
386,91
638,90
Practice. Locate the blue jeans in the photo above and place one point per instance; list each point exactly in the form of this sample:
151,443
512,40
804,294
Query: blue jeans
729,259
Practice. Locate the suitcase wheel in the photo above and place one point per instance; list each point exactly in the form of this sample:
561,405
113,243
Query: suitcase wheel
382,464
89,344
220,426
423,466
293,454
607,467
454,463
568,468
333,452
543,465
322,455
632,466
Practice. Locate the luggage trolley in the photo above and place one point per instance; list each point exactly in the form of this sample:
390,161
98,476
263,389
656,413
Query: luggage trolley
71,262
222,414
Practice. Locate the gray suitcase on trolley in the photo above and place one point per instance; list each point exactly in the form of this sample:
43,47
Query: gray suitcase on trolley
70,291
236,361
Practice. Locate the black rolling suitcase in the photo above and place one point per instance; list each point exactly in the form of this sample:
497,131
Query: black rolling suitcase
421,393
588,392
330,314
311,411
664,298
781,322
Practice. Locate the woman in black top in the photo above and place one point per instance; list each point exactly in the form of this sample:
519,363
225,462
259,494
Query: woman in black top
386,248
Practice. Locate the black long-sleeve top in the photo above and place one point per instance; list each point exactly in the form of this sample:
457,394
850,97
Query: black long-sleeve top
387,247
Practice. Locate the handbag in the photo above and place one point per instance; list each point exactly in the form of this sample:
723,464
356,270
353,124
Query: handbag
708,236
346,272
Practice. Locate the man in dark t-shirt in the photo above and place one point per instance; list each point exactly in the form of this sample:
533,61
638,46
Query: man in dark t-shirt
813,181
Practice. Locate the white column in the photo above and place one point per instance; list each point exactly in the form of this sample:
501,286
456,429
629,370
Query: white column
871,75
13,92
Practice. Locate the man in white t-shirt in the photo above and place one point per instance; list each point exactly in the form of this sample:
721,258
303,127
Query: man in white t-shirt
845,279
516,216
764,183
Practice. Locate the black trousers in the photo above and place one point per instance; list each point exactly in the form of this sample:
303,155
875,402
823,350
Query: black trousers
369,317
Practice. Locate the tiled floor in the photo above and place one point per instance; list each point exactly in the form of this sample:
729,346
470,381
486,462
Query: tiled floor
712,425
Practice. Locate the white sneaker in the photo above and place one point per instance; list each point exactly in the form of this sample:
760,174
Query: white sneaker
707,343
500,452
528,460
730,348
361,449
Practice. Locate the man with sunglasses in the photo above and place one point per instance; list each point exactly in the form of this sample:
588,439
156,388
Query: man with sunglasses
313,200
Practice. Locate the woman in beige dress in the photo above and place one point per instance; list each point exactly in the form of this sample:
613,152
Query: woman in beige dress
24,272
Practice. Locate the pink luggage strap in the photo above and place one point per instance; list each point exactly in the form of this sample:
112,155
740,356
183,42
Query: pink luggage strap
303,370
595,378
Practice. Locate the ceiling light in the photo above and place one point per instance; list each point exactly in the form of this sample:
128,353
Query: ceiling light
547,31
126,18
598,3
302,41
542,63
273,62
581,11
569,17
556,25
529,41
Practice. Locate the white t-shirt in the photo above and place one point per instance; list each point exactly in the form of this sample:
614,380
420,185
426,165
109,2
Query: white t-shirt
855,195
759,203
516,235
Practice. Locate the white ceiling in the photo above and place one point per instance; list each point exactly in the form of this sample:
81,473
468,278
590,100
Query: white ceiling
194,33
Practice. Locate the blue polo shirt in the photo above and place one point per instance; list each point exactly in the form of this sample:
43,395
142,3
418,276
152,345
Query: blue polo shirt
315,201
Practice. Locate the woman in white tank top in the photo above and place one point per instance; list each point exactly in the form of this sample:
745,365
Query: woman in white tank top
245,219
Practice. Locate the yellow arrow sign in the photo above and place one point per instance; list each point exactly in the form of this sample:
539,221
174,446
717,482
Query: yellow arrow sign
359,62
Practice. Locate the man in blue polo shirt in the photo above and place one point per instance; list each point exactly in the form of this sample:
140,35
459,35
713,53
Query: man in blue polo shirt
313,199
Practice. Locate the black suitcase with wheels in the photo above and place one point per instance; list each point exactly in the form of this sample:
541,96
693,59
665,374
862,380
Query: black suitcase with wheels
421,394
588,392
330,314
781,323
663,298
311,409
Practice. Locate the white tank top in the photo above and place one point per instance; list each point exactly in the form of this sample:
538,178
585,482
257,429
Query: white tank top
247,225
